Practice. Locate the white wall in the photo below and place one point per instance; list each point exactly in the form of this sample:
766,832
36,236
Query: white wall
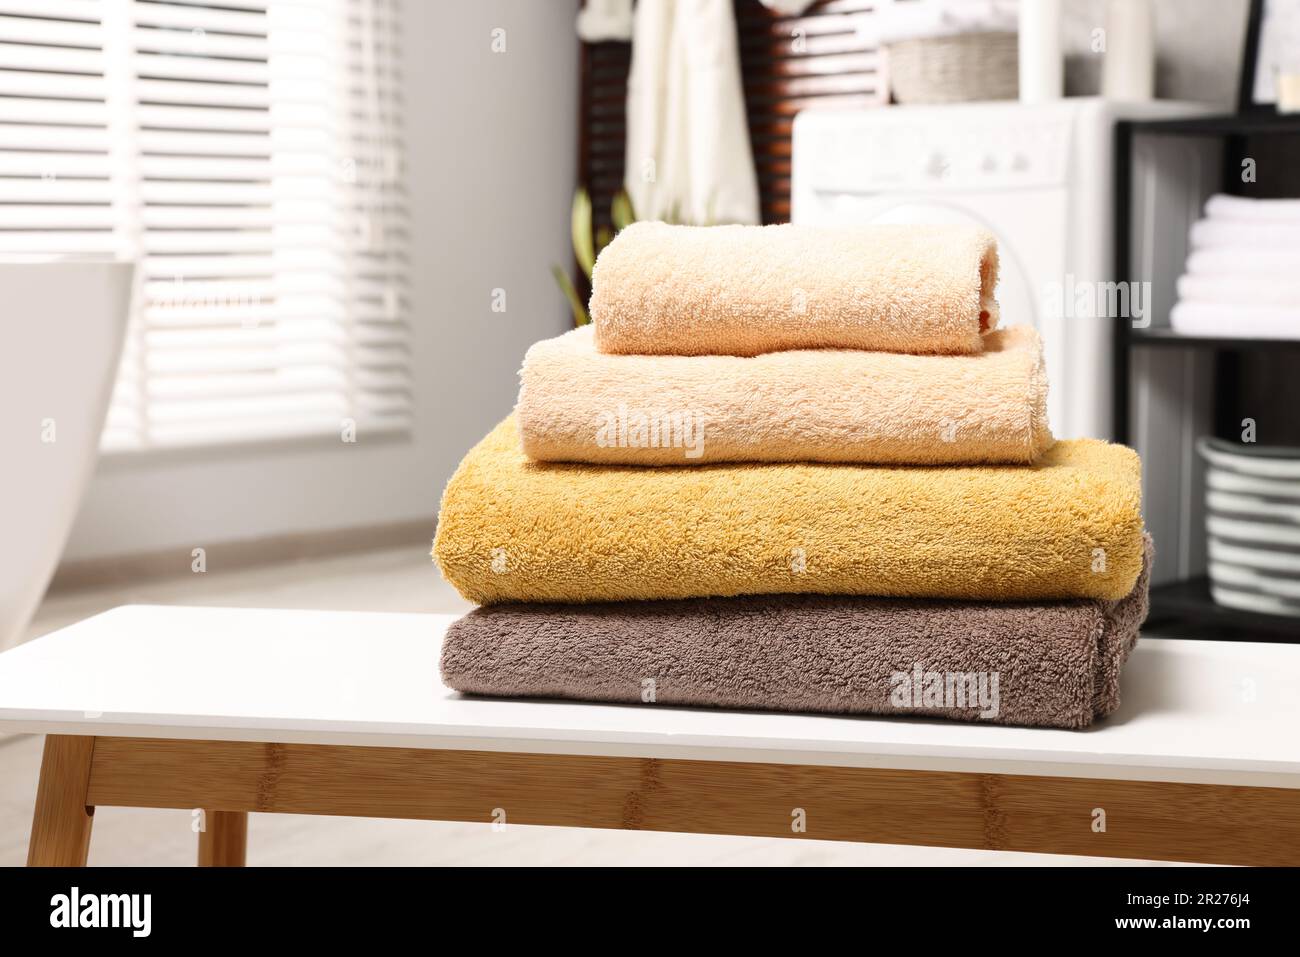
491,141
1198,49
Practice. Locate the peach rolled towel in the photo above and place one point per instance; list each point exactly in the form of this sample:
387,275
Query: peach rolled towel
813,405
746,290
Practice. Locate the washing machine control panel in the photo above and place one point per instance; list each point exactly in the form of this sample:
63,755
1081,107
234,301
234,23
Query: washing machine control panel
877,154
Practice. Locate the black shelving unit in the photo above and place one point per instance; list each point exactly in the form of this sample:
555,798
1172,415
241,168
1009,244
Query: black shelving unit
1229,124
1166,337
1188,603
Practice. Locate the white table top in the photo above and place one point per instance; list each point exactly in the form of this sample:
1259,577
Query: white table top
1196,711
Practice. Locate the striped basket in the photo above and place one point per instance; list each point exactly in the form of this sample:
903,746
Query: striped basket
1252,503
955,69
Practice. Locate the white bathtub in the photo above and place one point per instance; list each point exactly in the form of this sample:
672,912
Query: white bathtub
63,326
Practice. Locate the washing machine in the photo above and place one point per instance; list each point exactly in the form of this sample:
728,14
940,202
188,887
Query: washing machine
1038,176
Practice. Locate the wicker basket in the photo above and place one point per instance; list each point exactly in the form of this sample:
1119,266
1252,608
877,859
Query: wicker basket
956,69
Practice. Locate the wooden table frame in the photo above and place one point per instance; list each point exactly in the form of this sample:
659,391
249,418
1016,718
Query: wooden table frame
1158,820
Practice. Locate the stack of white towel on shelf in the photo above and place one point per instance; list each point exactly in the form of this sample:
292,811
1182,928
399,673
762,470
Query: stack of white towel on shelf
1242,278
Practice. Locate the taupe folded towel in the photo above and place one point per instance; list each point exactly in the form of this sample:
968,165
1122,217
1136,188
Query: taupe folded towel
1047,664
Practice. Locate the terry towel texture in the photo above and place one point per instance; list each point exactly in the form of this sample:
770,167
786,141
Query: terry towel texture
747,290
1056,664
818,405
1067,526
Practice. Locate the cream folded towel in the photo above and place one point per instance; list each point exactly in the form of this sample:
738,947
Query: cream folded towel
747,290
816,405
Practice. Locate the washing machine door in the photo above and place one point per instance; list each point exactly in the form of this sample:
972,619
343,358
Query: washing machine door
1031,256
1015,292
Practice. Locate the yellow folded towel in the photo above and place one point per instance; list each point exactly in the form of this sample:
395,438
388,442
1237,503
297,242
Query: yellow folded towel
746,290
813,405
1067,526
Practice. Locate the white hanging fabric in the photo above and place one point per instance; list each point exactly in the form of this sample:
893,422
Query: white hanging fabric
602,20
688,151
788,8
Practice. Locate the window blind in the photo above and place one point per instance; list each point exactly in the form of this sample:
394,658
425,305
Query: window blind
248,154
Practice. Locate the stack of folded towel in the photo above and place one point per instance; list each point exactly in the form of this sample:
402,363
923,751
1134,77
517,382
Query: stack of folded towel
1240,280
795,469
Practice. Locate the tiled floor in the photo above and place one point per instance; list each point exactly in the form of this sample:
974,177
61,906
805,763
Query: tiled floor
395,580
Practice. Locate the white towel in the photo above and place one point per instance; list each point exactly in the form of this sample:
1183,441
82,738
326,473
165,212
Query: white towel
688,153
1226,261
788,8
1207,233
1245,210
1235,322
602,20
1242,290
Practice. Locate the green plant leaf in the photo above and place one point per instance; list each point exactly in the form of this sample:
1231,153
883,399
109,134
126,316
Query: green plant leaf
621,211
603,238
580,227
562,280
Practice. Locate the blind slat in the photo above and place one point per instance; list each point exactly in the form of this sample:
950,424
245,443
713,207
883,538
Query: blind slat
64,85
48,31
164,66
72,241
199,42
153,116
38,217
47,110
55,190
15,56
46,163
54,138
253,21
152,90
83,10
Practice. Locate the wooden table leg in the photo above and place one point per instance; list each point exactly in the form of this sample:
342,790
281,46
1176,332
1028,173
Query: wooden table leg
223,842
61,823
